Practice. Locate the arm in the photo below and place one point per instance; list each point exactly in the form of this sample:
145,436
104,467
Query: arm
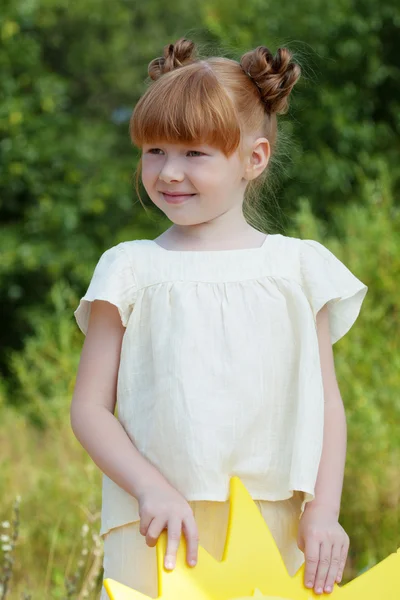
106,441
328,488
321,537
93,404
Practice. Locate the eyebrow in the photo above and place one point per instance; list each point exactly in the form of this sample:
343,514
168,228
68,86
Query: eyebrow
178,146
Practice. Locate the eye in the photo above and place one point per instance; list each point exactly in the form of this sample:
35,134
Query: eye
152,150
156,151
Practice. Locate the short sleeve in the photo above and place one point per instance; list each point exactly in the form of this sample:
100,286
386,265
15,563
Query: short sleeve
326,279
112,280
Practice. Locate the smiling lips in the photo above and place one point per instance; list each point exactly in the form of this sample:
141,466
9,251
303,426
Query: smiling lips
176,198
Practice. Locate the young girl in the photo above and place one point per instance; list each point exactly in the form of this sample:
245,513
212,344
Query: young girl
214,340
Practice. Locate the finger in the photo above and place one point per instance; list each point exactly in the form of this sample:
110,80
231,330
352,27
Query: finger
144,524
343,558
325,553
334,567
174,536
192,540
154,530
311,555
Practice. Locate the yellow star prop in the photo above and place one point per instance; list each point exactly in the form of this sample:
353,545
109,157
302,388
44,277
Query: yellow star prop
252,566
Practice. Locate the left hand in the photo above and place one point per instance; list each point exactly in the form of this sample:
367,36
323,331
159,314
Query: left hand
325,545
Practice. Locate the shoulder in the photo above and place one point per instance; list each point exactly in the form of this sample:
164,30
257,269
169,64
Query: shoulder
137,247
126,252
113,261
287,244
303,246
314,258
285,254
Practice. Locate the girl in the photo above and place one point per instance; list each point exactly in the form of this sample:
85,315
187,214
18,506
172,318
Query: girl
215,339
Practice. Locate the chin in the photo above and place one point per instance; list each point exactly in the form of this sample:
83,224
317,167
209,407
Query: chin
182,217
182,220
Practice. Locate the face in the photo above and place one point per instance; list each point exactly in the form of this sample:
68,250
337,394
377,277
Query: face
212,184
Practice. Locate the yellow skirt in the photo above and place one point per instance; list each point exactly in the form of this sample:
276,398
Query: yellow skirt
129,560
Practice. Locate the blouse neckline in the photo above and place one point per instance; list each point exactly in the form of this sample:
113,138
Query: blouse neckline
231,251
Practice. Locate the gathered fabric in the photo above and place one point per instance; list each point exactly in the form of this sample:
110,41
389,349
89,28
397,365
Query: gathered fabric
220,371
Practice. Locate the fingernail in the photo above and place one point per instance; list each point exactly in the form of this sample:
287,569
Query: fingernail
319,590
192,563
169,564
328,589
309,584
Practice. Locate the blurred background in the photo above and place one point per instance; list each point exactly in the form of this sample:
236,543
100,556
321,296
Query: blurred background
71,73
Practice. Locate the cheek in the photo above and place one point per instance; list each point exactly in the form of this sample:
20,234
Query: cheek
208,178
149,177
149,172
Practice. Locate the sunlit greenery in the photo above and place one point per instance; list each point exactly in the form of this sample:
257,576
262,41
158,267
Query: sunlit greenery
71,73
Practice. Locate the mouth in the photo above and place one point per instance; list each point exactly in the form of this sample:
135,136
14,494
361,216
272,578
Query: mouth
173,199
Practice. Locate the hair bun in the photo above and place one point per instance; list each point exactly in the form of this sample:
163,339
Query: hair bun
175,56
274,76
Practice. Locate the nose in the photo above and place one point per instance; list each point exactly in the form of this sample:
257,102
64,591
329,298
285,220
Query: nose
171,171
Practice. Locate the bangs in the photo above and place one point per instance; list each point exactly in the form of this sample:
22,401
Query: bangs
186,106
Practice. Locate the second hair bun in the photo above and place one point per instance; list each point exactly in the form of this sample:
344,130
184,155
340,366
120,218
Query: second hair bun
274,76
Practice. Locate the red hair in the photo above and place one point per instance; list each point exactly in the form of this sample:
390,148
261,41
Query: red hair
215,100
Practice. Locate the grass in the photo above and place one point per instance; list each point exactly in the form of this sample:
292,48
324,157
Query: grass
50,490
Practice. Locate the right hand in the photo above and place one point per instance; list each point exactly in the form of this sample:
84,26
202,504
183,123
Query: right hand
161,507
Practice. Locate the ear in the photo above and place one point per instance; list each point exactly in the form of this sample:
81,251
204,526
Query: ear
258,158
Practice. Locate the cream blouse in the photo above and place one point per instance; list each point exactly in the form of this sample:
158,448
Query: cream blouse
220,372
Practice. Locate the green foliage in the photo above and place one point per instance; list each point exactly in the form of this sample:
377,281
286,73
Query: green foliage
367,362
345,108
42,384
72,72
66,164
71,75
